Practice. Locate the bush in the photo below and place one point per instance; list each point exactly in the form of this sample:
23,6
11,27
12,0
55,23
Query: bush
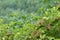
29,20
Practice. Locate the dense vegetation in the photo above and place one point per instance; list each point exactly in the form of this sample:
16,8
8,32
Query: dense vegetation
29,19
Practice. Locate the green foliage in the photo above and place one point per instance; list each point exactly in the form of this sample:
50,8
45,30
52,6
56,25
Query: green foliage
29,20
